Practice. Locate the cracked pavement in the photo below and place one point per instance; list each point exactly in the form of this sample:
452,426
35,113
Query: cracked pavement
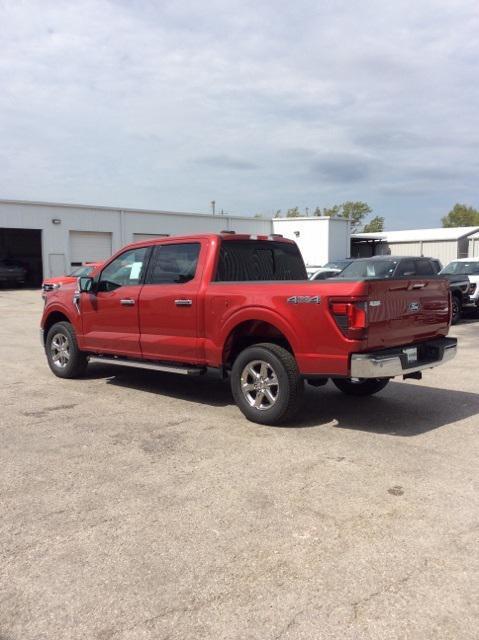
138,505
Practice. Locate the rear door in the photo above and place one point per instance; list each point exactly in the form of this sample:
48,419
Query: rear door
110,316
169,303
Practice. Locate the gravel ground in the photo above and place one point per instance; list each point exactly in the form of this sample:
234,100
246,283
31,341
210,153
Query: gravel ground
143,505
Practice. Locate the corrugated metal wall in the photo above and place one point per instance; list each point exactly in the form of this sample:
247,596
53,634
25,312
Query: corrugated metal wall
473,250
444,250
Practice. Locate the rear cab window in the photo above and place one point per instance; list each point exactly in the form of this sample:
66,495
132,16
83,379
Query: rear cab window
259,260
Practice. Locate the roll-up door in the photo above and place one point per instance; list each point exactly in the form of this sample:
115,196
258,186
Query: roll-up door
89,246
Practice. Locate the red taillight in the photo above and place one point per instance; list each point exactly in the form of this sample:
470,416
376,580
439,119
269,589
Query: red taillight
351,318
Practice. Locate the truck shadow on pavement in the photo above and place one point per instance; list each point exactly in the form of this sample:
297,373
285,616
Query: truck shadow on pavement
402,409
208,389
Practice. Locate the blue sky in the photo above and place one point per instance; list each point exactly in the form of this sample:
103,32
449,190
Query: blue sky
257,105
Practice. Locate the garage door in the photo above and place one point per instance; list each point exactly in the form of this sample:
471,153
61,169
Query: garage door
138,237
89,246
22,248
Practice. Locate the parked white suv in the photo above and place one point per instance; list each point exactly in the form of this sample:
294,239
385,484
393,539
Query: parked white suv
466,267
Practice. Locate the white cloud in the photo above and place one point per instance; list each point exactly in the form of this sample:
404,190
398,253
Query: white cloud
256,105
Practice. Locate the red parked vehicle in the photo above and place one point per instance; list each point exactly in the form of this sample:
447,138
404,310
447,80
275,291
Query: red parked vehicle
243,304
85,269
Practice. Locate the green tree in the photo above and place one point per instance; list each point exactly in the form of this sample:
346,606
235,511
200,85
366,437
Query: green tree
353,211
375,225
356,212
332,212
278,213
293,213
461,216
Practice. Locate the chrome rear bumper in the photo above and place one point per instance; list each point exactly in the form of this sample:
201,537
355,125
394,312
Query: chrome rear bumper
393,362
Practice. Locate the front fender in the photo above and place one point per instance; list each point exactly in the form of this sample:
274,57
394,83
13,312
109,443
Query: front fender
69,312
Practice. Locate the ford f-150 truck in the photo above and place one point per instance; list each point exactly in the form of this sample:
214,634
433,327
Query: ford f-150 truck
243,304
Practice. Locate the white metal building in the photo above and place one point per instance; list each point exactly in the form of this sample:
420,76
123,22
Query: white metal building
446,243
319,238
49,238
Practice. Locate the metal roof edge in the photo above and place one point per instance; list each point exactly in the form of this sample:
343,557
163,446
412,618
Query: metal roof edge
70,205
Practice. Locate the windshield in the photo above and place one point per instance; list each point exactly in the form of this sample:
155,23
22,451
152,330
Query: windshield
81,271
462,268
337,264
369,269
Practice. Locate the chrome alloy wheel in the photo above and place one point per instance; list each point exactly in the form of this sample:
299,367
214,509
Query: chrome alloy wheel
60,350
259,384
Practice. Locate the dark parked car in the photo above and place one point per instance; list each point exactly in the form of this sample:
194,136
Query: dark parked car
330,269
391,267
12,272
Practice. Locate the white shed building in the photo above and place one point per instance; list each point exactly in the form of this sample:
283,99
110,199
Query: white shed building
320,238
446,243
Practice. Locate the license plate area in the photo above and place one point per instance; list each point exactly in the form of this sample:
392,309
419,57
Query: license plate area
411,355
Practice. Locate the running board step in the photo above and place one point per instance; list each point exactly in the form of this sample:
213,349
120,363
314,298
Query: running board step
146,364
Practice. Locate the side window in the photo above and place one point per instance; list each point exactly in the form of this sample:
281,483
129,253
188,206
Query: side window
126,270
173,263
406,268
424,268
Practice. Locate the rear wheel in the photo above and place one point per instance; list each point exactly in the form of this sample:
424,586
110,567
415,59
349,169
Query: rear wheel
266,384
360,386
63,355
456,310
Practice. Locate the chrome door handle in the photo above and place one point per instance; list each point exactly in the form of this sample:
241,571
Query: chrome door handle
183,303
127,302
418,286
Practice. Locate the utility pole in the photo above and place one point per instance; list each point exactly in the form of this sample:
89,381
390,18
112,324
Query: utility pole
213,206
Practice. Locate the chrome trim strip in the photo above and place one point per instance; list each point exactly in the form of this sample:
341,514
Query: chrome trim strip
368,365
42,337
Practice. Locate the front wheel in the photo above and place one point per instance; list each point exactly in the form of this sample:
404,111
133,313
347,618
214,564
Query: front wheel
64,357
360,387
266,384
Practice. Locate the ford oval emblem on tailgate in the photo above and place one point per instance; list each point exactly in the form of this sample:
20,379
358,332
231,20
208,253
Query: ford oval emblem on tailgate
413,307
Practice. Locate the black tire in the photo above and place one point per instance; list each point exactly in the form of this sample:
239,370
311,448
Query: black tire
364,387
64,357
456,310
287,393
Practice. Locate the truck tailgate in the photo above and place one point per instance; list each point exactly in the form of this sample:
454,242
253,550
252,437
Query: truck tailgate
405,311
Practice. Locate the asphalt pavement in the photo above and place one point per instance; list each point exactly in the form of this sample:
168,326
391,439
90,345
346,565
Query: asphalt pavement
138,505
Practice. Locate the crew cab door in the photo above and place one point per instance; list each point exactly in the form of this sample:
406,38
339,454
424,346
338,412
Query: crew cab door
110,315
169,303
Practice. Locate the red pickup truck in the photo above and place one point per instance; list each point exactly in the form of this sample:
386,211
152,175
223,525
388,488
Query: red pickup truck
243,304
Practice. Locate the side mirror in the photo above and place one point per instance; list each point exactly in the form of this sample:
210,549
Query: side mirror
85,284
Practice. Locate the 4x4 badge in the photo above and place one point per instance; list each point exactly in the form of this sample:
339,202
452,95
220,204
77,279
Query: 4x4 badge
304,300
